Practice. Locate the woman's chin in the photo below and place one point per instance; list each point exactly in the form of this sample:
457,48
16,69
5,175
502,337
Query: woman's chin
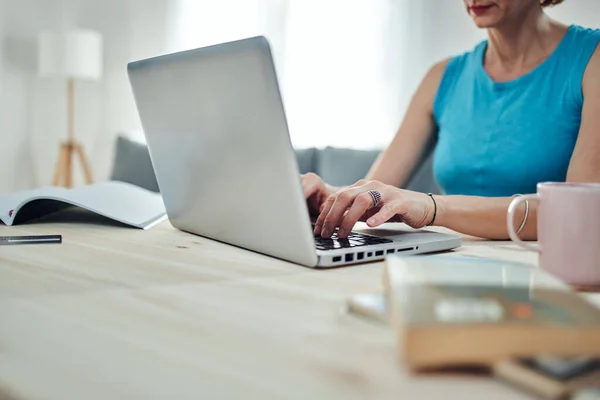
485,22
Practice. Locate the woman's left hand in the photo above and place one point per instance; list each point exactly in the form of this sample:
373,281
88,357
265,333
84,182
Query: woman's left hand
385,203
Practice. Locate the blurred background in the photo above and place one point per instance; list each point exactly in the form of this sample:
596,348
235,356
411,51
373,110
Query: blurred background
347,68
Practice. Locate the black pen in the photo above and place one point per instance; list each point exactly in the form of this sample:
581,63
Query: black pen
38,239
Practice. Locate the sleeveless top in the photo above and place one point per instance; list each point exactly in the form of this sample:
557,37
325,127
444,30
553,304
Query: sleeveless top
502,138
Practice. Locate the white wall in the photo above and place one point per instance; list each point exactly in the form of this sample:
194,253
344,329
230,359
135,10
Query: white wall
2,114
429,31
33,110
582,12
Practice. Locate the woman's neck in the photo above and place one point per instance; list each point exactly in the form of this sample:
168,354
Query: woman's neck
523,43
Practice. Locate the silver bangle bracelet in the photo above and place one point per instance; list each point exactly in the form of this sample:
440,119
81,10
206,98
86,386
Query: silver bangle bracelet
526,215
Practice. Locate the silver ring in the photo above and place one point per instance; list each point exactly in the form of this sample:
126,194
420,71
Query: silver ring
376,196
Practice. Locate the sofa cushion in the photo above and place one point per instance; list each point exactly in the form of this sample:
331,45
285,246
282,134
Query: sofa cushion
337,166
342,167
132,164
307,159
423,180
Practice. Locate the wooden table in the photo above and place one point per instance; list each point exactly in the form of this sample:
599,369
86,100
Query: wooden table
117,313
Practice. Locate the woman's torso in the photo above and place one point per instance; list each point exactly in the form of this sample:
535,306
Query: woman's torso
499,139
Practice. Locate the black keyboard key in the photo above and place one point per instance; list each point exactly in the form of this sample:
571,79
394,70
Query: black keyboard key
353,240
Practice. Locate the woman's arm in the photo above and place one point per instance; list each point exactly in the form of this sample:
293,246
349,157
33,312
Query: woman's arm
399,160
477,216
486,217
585,162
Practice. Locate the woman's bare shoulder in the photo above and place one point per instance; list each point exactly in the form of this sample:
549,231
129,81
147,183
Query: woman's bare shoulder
431,82
591,78
439,67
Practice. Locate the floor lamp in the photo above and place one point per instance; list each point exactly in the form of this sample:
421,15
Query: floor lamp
72,55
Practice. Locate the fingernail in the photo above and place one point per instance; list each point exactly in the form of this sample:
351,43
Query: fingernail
341,232
371,221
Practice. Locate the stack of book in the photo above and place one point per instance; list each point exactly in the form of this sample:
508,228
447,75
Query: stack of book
520,322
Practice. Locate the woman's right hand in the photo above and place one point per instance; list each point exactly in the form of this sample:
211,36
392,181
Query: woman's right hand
315,192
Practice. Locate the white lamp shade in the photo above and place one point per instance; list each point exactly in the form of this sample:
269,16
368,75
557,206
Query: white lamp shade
73,54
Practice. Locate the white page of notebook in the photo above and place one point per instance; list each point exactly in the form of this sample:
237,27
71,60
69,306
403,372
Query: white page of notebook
119,201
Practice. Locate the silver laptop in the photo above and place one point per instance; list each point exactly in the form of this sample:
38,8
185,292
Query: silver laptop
218,139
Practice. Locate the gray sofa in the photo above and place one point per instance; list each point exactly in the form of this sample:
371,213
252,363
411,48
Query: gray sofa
337,166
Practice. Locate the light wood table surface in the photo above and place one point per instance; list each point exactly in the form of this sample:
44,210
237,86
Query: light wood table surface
117,313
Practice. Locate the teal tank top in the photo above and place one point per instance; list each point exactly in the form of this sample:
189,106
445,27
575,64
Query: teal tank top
502,138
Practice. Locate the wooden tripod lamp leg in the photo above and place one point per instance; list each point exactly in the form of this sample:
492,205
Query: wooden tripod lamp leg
71,131
64,168
62,174
61,166
87,171
69,166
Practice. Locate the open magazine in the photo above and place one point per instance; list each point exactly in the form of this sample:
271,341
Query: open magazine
119,201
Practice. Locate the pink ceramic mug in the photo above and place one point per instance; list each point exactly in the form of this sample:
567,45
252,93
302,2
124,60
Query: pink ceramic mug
568,220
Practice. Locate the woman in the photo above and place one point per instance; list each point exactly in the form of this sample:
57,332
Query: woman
522,107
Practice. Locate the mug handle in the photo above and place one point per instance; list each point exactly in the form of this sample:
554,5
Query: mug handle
511,221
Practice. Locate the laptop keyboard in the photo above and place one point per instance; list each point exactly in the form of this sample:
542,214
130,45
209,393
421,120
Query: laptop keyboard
354,240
